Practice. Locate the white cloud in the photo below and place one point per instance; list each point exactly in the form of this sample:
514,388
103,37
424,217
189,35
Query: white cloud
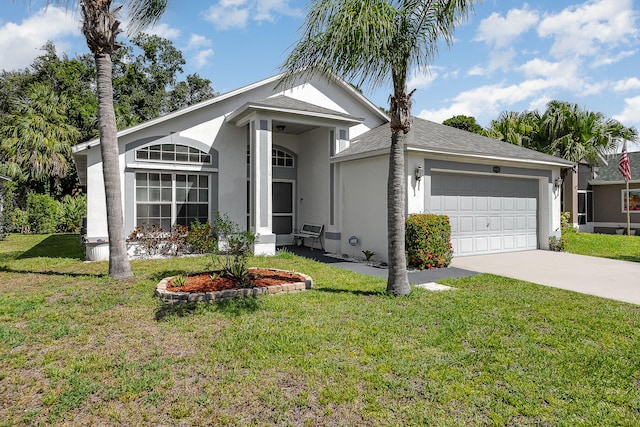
624,85
202,57
424,78
201,46
20,43
476,70
197,41
588,28
227,14
604,60
631,113
163,30
501,31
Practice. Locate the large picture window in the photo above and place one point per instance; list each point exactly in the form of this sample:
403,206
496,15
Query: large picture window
634,200
165,199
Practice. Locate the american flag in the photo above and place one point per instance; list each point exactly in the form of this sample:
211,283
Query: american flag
624,166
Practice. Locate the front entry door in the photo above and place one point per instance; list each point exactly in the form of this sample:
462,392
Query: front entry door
283,212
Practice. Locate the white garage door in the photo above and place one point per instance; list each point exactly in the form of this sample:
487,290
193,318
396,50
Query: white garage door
488,214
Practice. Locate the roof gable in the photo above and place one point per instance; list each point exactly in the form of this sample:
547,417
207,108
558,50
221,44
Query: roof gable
438,138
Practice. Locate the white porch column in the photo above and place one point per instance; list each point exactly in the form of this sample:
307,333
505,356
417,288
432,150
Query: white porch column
261,193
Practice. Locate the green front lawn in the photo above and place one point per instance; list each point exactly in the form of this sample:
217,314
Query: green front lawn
615,246
78,348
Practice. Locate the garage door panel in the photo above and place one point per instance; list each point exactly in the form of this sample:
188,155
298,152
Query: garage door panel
481,203
465,245
450,203
465,224
466,203
487,213
481,244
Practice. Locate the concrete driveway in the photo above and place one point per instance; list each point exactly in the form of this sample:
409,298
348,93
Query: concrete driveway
607,278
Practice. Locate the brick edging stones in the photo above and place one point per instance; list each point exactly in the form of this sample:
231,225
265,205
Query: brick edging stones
215,296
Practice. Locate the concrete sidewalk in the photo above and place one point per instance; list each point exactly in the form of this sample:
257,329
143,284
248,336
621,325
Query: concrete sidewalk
607,278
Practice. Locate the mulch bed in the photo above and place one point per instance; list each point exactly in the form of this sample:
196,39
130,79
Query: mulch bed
202,282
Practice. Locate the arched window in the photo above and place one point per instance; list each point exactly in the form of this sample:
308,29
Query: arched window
281,159
173,153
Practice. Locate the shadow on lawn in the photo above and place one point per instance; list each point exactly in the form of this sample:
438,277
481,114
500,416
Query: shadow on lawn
380,293
234,307
57,246
5,269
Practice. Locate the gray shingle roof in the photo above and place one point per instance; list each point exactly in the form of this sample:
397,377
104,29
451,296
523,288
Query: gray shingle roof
609,173
430,136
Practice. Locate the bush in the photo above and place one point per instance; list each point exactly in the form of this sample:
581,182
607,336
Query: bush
428,241
200,238
557,244
43,213
565,223
72,210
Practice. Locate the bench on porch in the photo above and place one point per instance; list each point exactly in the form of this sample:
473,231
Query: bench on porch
311,231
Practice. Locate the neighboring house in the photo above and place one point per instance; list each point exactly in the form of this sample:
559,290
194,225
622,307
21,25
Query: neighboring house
317,153
602,196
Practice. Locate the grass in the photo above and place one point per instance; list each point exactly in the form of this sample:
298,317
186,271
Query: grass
78,348
615,246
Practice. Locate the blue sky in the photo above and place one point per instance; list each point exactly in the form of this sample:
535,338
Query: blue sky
509,56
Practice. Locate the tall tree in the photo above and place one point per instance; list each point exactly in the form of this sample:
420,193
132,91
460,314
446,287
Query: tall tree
467,123
516,128
576,134
101,26
377,41
36,136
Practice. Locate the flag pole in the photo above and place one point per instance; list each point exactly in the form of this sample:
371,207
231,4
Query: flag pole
628,209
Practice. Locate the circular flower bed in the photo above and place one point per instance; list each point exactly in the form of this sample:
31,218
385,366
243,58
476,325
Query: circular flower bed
209,287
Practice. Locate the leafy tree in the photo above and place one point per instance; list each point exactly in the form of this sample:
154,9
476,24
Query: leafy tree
195,89
378,41
467,123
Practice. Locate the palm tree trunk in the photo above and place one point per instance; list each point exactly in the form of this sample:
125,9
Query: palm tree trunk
119,267
397,282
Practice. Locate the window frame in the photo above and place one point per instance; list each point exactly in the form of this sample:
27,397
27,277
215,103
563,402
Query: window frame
174,204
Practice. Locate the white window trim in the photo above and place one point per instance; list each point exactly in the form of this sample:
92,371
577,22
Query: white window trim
623,199
174,210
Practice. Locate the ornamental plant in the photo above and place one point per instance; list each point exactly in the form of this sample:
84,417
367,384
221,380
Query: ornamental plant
428,241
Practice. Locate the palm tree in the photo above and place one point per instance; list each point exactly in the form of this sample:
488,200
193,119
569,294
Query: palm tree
36,136
375,41
577,135
101,26
516,128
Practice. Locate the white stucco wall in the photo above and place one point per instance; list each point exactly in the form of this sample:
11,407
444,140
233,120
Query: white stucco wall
364,205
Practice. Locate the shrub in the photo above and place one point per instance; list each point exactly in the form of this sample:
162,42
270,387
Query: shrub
565,223
557,244
43,213
200,238
18,221
72,210
428,241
